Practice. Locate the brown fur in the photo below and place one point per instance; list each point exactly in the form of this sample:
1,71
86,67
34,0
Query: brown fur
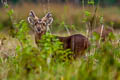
77,43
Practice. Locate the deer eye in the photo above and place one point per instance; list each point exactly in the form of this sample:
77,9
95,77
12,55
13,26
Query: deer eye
44,24
36,23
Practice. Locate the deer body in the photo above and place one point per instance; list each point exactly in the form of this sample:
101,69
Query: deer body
76,43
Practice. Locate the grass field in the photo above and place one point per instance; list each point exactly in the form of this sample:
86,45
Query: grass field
21,59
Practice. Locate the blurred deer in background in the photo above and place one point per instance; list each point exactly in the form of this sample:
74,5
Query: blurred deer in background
103,32
76,43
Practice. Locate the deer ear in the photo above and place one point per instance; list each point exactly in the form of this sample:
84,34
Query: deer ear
31,20
32,17
32,14
49,19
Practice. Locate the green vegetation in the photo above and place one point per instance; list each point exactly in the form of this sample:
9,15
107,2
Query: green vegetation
50,61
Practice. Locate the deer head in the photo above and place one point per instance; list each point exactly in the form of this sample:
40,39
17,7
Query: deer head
40,25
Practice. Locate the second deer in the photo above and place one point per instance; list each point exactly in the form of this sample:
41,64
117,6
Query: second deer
77,43
103,32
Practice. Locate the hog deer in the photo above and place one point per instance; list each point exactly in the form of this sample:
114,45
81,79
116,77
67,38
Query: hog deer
76,43
103,32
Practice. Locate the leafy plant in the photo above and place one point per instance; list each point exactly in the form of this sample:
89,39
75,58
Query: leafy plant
52,48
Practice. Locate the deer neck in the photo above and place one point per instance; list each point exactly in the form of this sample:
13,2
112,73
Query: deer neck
38,37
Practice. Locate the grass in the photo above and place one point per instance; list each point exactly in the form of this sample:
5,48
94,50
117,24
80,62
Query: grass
21,59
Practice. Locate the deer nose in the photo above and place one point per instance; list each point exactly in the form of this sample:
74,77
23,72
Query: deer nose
38,29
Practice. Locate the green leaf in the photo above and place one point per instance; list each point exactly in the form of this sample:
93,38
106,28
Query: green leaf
87,13
10,12
6,6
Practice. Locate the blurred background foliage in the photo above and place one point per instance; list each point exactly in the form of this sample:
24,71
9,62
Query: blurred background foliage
103,2
69,12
